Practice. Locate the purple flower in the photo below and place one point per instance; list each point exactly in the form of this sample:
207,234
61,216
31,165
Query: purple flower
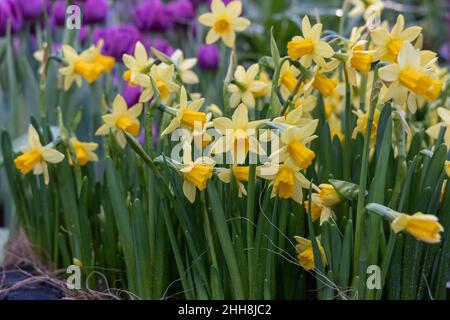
118,40
182,11
95,11
444,51
163,46
131,94
33,9
208,57
59,13
224,1
152,15
10,11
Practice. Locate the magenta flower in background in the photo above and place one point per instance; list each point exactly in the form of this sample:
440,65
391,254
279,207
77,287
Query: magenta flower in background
162,45
95,11
118,40
33,9
182,11
208,57
10,11
152,15
59,13
131,94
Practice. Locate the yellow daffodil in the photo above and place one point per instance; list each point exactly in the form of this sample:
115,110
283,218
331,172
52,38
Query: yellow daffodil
121,119
423,227
336,127
388,44
359,59
294,141
306,103
264,91
361,124
36,156
366,8
286,180
245,86
93,55
309,47
224,21
138,65
288,79
84,151
433,131
184,67
325,85
239,136
305,253
240,174
195,173
162,75
318,209
407,78
328,195
295,117
187,116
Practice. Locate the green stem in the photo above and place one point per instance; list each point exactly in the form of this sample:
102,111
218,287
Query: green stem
250,231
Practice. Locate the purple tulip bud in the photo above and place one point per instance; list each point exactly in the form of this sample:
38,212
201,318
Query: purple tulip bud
163,46
33,9
95,11
59,13
118,40
182,11
10,11
131,94
208,57
152,15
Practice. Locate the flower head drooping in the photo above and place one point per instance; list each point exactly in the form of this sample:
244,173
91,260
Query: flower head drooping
288,79
294,145
328,195
407,78
138,65
121,119
305,252
240,174
224,22
187,115
361,124
245,86
318,209
423,227
196,173
162,75
388,44
184,67
238,136
36,156
309,47
433,131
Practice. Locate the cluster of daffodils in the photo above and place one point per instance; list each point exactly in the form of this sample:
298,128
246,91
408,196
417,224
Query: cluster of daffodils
315,69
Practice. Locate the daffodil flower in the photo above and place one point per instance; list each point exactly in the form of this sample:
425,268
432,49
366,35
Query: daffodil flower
361,124
240,174
84,151
93,55
162,75
237,137
184,67
328,195
245,86
407,78
366,8
288,79
318,209
433,131
36,156
325,85
423,227
309,47
305,253
294,147
138,65
224,21
286,180
121,119
195,173
388,44
188,115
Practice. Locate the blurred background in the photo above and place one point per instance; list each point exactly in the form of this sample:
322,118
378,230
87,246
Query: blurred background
27,25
